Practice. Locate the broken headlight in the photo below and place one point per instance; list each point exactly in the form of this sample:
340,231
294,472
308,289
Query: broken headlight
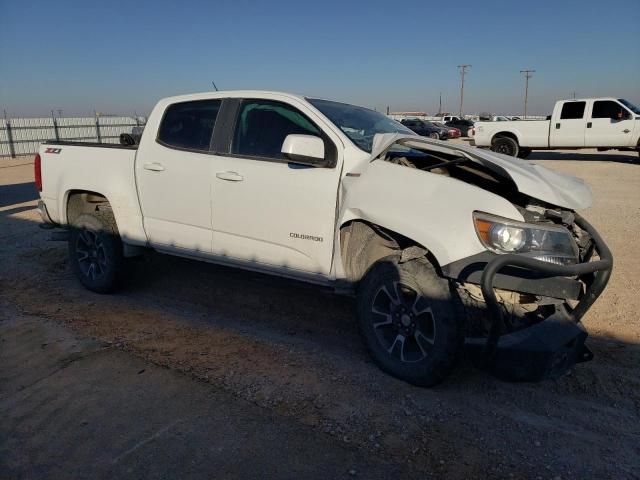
546,242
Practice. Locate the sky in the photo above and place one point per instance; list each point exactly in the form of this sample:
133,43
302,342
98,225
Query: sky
120,57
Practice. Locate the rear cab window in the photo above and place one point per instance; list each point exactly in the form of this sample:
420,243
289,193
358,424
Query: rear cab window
189,125
572,110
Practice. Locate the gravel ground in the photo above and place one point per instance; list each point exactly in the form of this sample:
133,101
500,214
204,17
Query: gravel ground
294,348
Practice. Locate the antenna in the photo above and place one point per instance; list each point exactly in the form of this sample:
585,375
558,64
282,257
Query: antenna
214,85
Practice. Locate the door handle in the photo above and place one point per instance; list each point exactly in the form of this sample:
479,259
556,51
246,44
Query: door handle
626,130
230,176
588,124
557,126
154,167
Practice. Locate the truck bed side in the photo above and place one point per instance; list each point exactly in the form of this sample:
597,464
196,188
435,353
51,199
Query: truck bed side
108,170
528,133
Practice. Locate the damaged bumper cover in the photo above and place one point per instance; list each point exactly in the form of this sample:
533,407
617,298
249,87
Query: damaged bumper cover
549,348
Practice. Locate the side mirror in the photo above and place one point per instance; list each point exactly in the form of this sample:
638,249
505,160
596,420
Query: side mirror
304,149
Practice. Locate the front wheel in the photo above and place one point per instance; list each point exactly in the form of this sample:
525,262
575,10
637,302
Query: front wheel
408,320
434,135
95,251
506,146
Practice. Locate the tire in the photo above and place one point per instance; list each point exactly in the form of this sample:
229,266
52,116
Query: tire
95,251
408,319
524,153
506,146
434,135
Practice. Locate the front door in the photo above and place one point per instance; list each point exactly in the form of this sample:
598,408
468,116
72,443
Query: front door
174,178
267,211
567,129
610,125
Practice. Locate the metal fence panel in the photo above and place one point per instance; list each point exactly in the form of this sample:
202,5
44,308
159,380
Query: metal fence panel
22,136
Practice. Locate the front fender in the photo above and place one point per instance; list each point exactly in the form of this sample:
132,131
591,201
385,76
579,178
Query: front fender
431,209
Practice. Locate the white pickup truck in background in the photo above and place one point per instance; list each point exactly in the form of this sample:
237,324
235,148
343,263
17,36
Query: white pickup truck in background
443,245
603,123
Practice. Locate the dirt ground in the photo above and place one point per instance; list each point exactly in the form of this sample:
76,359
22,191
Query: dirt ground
294,348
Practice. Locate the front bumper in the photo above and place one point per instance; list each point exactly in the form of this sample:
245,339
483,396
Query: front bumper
549,348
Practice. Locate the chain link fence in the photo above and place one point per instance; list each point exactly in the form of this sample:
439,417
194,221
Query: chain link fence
22,136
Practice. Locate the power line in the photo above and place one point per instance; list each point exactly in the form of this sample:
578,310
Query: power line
463,71
527,76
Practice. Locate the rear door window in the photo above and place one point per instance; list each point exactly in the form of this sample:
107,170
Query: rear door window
189,125
262,126
572,110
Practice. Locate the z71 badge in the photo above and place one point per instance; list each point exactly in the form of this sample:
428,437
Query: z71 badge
52,150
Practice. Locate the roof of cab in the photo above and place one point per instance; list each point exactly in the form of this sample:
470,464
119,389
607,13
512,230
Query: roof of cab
586,99
230,94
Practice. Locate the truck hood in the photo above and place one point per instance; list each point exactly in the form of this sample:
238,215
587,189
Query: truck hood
533,180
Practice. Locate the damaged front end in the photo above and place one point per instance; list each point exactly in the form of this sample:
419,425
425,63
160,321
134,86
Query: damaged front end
523,304
524,322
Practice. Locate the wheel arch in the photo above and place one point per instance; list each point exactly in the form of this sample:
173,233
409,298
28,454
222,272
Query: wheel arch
507,134
363,242
78,201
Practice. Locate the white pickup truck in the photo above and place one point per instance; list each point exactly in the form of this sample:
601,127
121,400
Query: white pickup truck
603,123
444,246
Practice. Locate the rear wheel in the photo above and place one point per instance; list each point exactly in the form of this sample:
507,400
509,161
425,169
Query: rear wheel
506,146
408,320
95,251
434,135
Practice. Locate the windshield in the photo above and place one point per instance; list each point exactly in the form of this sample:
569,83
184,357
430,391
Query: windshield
630,106
358,123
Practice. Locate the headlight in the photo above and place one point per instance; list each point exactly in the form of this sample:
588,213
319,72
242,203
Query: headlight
549,243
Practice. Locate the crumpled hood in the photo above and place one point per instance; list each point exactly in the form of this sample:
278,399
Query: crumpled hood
531,179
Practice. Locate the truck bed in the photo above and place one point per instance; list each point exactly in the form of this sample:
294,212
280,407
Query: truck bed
530,133
101,168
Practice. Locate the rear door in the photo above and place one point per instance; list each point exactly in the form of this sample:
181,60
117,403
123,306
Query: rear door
266,210
610,125
568,125
174,175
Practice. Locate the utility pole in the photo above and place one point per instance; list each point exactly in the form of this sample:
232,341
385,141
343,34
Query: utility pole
463,70
527,76
440,107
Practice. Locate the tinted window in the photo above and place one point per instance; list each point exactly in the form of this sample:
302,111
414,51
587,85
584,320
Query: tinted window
572,110
263,125
607,109
189,125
